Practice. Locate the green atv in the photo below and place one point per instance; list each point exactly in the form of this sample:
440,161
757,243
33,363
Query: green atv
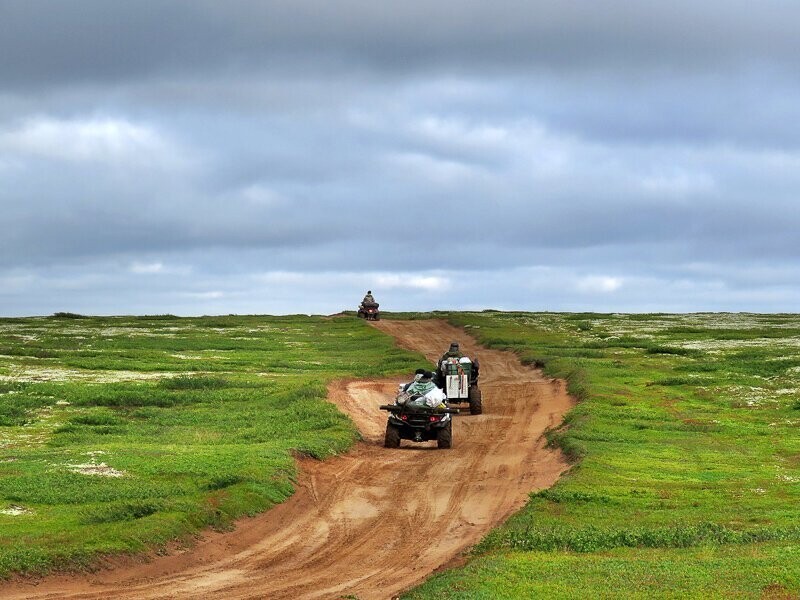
458,377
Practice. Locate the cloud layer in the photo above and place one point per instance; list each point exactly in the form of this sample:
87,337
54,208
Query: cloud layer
196,157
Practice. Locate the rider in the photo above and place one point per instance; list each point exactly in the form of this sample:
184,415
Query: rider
368,299
453,352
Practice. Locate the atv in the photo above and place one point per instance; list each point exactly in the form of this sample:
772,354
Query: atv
458,377
418,422
369,311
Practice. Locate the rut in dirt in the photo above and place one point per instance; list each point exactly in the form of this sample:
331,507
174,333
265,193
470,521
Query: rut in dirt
374,521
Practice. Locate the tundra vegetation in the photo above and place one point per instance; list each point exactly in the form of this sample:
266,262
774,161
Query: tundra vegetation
686,442
123,434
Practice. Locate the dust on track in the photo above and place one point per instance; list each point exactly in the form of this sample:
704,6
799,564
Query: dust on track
374,521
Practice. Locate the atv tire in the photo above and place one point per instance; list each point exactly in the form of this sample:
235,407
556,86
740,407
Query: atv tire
444,437
392,439
475,403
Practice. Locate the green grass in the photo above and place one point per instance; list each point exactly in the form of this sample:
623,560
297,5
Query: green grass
199,417
698,572
687,455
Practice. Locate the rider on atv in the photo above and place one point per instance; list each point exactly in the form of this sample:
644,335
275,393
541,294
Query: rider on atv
368,309
453,352
457,375
420,413
368,300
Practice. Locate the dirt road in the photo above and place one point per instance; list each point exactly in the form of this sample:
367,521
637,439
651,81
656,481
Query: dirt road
374,521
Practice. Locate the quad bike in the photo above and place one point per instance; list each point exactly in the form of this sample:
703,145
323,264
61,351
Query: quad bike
369,311
458,377
419,423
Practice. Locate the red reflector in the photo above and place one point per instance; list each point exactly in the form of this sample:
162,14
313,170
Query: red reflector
404,417
434,419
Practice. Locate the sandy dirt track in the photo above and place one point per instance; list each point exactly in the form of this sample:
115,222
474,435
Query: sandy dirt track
375,521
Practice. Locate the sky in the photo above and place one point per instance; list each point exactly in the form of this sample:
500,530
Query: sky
198,157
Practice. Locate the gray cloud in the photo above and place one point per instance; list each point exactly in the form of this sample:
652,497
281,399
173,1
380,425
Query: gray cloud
92,40
204,157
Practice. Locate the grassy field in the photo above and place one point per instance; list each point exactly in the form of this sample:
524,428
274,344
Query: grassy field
687,450
121,434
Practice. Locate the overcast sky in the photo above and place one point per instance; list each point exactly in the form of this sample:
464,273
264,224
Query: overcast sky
203,157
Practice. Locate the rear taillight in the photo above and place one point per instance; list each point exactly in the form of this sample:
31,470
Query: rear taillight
433,419
404,417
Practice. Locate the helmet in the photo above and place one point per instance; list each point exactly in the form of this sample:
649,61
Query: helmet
369,291
453,346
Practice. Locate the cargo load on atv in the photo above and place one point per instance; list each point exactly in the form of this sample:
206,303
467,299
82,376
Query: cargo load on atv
419,419
458,378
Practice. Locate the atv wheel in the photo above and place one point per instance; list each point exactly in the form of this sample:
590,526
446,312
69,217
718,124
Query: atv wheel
392,439
475,404
377,318
444,437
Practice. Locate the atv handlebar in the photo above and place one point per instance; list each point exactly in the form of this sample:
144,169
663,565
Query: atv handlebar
394,408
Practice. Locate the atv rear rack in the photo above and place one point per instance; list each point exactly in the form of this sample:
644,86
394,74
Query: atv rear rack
396,408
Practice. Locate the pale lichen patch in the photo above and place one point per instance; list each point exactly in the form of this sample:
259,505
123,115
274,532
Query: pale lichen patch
93,467
184,356
30,374
15,511
100,469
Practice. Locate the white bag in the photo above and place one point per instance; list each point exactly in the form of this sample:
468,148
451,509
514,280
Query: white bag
435,397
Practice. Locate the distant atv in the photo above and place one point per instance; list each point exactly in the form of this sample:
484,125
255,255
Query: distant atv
458,377
418,422
369,311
